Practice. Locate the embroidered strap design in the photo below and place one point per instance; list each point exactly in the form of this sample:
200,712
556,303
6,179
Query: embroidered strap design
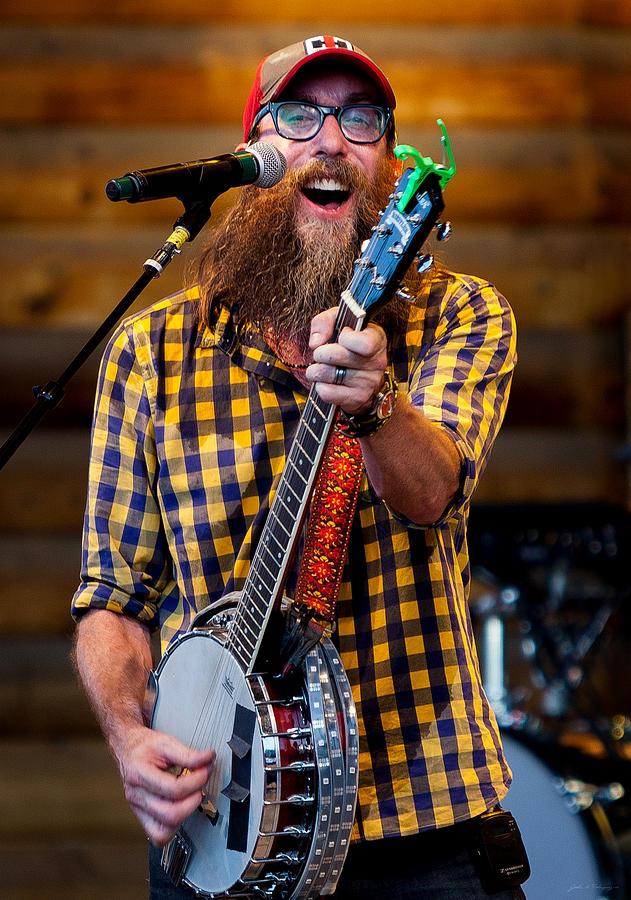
328,534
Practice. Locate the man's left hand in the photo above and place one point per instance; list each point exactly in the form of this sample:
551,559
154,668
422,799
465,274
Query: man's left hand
361,354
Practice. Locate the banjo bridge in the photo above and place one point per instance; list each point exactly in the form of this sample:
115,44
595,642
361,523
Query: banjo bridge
208,808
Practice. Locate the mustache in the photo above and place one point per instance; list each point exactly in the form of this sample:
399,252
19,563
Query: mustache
340,170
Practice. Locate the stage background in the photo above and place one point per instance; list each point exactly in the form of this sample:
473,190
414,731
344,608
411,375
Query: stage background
536,97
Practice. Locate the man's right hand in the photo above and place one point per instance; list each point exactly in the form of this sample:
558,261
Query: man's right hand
163,780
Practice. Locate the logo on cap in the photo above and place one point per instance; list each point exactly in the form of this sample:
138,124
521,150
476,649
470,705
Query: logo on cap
326,42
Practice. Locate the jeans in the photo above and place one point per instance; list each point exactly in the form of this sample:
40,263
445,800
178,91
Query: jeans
429,866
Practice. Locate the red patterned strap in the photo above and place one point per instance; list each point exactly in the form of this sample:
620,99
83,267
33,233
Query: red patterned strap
328,533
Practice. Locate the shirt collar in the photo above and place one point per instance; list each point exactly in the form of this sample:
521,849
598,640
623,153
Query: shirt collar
247,348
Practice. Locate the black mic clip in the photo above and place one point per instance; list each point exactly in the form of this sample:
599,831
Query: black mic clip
196,185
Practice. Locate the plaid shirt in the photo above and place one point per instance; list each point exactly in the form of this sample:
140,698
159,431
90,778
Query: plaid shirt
190,434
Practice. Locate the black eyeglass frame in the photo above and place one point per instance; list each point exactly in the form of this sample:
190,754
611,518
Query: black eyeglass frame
273,108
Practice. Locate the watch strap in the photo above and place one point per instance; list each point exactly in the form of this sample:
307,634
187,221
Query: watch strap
366,424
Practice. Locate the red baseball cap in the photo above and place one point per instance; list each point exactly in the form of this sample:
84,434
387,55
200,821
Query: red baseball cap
276,71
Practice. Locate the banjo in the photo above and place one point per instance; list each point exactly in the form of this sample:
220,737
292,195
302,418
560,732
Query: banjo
277,812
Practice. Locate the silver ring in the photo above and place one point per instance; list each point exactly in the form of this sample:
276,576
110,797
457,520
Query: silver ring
340,372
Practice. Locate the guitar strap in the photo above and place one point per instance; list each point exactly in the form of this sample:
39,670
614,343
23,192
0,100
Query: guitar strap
328,533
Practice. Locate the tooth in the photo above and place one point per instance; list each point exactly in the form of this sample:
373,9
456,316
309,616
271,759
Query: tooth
326,184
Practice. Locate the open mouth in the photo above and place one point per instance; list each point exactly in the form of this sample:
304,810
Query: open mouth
327,193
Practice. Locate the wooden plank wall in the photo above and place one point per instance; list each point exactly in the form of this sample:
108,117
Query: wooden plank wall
536,98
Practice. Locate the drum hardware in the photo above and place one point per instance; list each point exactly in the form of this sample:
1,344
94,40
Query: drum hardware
554,661
557,648
557,654
565,823
581,736
554,692
620,727
554,647
581,796
565,567
493,609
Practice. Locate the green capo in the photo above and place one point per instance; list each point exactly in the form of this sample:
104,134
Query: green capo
424,165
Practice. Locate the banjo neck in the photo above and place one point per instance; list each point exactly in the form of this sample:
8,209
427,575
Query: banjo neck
411,214
263,586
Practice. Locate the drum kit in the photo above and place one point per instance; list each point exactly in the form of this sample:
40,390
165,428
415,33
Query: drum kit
550,604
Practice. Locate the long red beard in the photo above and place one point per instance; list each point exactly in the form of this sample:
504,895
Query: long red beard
280,272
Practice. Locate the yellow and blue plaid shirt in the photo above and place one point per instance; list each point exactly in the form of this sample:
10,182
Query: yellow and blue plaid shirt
190,434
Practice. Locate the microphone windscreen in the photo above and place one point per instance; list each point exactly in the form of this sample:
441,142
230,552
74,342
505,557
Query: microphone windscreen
272,164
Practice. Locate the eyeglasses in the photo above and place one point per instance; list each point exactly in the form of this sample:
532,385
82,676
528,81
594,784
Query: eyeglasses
361,124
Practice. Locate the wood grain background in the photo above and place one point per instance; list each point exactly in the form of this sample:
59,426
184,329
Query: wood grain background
537,99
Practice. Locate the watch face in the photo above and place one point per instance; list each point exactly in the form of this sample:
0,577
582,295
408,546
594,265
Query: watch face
386,405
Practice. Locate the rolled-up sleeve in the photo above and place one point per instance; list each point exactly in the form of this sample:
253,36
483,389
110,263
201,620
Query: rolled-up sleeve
463,377
125,566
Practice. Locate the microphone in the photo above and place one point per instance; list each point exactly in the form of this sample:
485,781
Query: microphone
261,164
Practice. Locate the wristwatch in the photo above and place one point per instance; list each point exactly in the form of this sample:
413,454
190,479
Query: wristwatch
365,424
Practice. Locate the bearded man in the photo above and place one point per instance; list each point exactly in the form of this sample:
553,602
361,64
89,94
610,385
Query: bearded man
198,401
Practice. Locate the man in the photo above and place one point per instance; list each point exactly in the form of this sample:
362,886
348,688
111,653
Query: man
198,401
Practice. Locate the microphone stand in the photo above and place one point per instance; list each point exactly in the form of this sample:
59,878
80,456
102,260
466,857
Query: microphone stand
186,228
